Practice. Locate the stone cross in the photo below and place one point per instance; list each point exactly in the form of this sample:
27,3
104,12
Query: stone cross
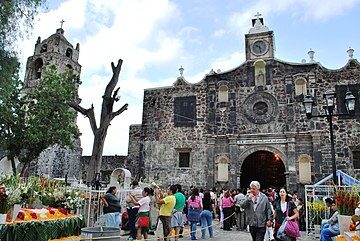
62,22
257,15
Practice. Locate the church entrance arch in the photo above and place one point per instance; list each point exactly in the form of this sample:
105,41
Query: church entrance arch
265,167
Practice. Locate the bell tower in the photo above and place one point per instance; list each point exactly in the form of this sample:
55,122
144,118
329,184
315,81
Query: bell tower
55,161
53,50
259,42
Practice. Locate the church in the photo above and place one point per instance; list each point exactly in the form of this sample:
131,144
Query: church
248,123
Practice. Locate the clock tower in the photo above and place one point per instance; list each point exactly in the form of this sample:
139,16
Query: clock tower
259,42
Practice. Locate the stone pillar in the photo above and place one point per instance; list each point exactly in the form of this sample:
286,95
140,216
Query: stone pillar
317,154
211,172
233,162
291,178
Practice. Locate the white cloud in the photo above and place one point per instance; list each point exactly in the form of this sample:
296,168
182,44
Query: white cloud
306,10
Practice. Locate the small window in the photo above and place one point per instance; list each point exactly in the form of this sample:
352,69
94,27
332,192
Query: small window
69,53
43,48
356,159
300,86
260,73
184,159
37,68
223,94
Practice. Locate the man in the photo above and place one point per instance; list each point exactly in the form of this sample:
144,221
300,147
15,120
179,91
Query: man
177,221
133,209
258,212
167,206
239,211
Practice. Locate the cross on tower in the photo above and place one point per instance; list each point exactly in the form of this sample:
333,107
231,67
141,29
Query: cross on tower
62,22
257,15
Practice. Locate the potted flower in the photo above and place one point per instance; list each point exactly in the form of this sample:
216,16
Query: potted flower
347,200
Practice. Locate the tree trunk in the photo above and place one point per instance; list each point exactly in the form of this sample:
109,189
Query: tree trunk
23,169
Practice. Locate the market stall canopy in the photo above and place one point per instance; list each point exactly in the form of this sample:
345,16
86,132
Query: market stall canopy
343,179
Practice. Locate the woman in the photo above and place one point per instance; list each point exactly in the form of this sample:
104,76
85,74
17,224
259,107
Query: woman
207,214
143,220
112,208
194,209
330,227
284,209
227,203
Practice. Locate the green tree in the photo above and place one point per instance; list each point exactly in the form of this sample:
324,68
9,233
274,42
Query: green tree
49,120
16,19
11,112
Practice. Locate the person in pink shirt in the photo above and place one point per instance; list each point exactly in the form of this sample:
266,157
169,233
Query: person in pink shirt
195,207
227,204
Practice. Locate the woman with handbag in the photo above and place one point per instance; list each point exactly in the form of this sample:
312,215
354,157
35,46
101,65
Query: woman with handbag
286,215
143,220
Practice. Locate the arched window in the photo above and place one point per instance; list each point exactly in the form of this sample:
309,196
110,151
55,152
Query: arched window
300,86
43,48
223,170
38,64
260,73
223,94
304,169
69,53
69,67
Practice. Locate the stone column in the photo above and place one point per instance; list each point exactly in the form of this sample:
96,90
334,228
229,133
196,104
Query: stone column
211,174
317,154
233,162
291,178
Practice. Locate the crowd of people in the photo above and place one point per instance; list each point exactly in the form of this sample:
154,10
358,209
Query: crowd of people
261,213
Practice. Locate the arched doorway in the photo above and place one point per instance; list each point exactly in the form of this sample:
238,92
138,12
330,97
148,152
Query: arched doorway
265,167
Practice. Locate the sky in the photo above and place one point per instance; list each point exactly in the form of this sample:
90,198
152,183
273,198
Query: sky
155,37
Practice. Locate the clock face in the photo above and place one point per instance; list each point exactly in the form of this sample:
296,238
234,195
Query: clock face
259,47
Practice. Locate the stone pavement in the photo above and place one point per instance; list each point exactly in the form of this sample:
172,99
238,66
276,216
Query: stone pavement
221,235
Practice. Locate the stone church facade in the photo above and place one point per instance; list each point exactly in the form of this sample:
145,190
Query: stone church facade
57,50
247,123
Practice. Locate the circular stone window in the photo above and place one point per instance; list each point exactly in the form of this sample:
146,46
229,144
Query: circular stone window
260,108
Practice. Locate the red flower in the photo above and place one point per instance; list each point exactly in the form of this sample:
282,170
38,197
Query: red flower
63,211
21,216
51,211
33,215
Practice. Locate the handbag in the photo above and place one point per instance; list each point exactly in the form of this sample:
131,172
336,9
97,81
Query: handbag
144,221
292,227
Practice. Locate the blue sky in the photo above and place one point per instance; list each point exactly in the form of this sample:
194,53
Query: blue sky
156,37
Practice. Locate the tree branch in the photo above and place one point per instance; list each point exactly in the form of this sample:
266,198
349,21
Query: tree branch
114,79
118,112
89,113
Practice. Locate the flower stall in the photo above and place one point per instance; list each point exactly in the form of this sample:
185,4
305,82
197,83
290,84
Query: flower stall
37,208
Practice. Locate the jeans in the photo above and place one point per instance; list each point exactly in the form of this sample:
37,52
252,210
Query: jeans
327,232
240,220
193,229
132,212
206,220
112,219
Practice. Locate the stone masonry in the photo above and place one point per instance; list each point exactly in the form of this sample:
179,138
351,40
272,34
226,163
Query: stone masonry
262,112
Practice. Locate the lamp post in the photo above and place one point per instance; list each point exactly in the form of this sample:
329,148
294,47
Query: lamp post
330,99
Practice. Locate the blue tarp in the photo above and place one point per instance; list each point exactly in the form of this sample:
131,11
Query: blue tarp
345,179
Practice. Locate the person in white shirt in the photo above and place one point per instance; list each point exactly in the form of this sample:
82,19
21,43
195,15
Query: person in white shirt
143,213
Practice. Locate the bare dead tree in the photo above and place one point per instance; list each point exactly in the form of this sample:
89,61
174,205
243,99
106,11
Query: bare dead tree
107,115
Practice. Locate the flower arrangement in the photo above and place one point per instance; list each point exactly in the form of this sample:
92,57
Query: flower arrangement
347,199
317,211
74,200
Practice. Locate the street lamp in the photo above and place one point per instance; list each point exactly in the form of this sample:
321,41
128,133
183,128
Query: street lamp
330,100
